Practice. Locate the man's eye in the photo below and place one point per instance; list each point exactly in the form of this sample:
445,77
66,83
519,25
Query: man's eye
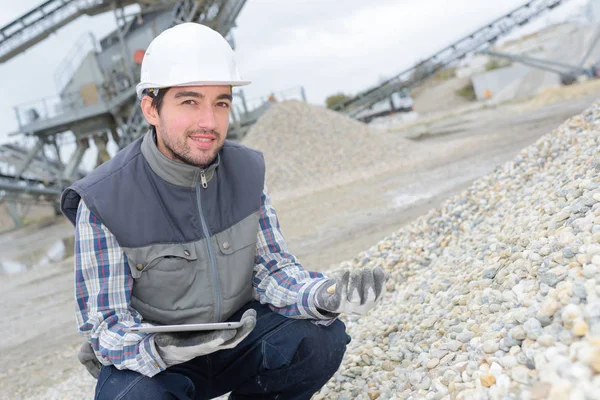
223,104
189,102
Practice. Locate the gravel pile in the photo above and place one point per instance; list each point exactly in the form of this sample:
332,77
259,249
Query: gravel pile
308,148
496,295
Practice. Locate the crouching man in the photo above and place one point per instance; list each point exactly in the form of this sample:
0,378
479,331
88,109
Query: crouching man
179,228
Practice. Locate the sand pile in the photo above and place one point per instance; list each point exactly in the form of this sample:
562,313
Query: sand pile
308,148
496,294
556,94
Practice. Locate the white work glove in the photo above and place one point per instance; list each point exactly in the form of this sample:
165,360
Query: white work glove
354,292
88,358
177,348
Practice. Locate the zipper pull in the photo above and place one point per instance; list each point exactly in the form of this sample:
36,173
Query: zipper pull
203,179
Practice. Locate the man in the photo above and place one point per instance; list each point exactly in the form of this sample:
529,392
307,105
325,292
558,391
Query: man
179,228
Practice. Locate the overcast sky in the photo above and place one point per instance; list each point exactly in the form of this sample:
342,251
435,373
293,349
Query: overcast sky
318,44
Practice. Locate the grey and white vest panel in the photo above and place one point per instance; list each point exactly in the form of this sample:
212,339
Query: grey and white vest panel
190,249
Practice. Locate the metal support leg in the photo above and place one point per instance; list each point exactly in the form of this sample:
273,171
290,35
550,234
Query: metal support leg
101,142
30,156
13,211
57,151
82,146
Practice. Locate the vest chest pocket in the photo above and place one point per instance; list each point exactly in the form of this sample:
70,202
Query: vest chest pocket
171,283
235,258
162,257
230,243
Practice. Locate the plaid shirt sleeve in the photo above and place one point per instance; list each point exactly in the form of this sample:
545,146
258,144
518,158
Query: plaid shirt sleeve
103,285
279,280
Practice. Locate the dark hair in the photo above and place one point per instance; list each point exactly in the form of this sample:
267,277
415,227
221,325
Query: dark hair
158,99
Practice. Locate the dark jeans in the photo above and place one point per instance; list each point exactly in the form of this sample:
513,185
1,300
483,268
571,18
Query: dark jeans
282,358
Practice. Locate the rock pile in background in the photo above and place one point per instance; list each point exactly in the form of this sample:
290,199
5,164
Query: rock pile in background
308,147
497,293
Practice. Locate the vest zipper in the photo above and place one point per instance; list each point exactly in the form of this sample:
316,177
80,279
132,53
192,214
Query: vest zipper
203,179
211,253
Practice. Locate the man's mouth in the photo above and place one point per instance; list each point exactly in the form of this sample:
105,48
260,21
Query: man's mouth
203,142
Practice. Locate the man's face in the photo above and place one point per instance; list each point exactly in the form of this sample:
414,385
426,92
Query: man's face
192,123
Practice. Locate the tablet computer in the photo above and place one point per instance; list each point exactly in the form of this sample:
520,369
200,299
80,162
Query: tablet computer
184,327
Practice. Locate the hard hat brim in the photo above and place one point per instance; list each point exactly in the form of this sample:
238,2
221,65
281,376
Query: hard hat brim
143,86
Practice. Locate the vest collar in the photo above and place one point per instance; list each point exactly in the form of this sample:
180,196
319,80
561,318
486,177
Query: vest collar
174,172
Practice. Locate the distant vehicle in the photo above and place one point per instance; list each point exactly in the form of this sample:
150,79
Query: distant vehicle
398,102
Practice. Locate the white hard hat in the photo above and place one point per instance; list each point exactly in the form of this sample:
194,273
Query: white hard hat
188,54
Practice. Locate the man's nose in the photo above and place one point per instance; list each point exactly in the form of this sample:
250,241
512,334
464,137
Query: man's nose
206,118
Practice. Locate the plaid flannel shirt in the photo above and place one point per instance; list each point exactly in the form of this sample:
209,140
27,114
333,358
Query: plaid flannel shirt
103,284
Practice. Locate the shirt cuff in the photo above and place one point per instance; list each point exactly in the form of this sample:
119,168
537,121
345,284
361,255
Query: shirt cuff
152,363
307,304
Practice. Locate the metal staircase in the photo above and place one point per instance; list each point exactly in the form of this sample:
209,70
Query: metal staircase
37,24
469,44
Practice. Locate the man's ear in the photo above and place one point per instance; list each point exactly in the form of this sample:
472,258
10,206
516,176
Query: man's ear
150,113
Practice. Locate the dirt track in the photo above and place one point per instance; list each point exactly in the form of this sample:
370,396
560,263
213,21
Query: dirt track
37,323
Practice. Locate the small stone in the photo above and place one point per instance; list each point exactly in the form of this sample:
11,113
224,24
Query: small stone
568,253
550,279
490,346
373,395
533,328
433,363
520,374
495,369
565,238
570,313
447,358
561,216
566,337
582,259
428,322
415,378
518,333
387,365
490,273
579,291
508,361
453,345
590,270
425,384
545,340
465,336
592,309
487,380
580,328
593,359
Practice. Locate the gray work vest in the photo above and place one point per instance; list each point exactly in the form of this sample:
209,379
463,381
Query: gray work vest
190,246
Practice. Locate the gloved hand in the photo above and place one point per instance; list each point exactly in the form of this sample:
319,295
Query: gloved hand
88,358
177,348
354,292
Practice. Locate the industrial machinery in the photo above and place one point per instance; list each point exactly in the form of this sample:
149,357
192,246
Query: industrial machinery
360,105
568,73
96,87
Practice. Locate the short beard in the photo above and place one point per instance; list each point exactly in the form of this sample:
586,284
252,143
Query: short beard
180,150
